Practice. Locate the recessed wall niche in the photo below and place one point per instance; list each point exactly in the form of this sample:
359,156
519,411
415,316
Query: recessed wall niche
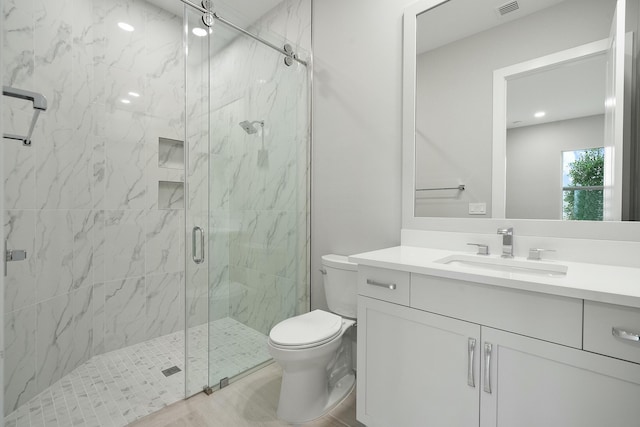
170,160
170,153
170,195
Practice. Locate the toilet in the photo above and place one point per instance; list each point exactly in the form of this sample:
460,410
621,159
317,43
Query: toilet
313,351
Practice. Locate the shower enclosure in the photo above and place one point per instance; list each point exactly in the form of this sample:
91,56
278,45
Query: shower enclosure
163,239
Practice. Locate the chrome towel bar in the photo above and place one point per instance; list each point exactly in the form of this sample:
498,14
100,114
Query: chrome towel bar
459,188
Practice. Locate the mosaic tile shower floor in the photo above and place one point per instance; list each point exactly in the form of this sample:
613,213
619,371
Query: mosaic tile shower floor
119,387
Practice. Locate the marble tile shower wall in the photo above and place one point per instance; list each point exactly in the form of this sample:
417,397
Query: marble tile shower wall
260,192
105,262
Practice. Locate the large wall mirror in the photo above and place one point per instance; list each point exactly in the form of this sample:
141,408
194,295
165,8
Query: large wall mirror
522,110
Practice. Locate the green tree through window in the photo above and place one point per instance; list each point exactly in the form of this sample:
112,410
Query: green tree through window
587,170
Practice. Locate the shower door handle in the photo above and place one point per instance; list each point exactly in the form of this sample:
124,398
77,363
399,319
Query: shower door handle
194,232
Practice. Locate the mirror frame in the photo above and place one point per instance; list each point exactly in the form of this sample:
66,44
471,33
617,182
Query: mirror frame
597,230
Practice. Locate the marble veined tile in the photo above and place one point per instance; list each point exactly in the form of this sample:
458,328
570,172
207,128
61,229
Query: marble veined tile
17,49
125,313
165,304
126,160
124,234
98,318
56,156
20,357
118,387
83,224
164,241
53,62
20,281
54,253
19,164
64,334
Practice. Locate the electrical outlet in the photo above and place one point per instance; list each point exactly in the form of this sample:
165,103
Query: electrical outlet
477,208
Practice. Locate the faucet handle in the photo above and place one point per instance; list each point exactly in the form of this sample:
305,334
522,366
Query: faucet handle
482,249
535,254
506,231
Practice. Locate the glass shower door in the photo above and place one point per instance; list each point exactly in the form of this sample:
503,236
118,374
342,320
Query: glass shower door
246,176
258,182
196,202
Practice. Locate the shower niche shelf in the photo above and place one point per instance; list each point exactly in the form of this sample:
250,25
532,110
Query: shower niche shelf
170,195
170,173
170,153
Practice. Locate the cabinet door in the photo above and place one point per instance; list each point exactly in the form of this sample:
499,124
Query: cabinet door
415,368
533,383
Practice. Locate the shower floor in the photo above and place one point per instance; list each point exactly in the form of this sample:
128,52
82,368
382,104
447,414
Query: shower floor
116,388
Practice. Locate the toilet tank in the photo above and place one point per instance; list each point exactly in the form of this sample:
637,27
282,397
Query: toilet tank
340,284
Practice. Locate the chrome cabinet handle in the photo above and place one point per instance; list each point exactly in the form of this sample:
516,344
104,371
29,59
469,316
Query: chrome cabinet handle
196,259
488,348
624,335
391,286
470,374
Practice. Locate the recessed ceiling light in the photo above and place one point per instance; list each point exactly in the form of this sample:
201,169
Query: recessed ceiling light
134,94
200,32
125,101
125,26
539,114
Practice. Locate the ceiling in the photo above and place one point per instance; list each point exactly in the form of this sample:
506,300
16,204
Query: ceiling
457,19
243,13
576,89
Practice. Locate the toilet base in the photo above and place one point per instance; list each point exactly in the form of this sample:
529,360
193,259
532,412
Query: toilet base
340,391
335,396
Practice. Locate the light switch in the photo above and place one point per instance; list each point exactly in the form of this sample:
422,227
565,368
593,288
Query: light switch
477,208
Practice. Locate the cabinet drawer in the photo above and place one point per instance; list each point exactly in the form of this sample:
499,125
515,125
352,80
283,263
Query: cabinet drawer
599,322
383,284
547,317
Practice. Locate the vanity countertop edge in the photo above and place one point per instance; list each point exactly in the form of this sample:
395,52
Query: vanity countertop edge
594,282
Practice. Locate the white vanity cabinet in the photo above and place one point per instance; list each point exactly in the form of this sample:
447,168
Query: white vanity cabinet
534,383
415,368
455,353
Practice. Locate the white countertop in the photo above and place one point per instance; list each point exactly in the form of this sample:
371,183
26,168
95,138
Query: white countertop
595,282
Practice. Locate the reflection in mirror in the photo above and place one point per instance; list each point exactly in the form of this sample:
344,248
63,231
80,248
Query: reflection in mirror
554,117
459,45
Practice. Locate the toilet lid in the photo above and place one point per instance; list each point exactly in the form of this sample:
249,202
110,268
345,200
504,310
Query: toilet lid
306,329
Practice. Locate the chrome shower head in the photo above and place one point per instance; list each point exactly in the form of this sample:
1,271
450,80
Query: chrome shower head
249,126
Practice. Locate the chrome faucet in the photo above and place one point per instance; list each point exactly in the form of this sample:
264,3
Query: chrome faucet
507,242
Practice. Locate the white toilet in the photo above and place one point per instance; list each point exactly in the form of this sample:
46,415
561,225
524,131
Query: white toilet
317,368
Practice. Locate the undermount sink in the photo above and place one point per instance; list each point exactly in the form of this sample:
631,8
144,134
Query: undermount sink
505,264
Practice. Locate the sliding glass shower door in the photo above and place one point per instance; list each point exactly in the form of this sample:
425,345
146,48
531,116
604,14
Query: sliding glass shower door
246,198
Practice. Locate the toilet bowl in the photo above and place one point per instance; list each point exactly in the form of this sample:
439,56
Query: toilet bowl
316,359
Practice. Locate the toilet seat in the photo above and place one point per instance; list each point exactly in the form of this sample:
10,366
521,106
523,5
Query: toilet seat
307,330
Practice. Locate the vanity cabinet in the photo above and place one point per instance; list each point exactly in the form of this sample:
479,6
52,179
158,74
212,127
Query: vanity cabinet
419,369
534,383
455,353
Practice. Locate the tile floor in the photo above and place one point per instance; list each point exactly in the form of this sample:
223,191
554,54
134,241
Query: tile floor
249,402
119,387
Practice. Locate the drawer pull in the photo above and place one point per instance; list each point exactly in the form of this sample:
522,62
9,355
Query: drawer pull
391,286
624,335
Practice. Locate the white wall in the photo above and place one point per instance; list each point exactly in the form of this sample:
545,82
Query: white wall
455,99
357,145
534,164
